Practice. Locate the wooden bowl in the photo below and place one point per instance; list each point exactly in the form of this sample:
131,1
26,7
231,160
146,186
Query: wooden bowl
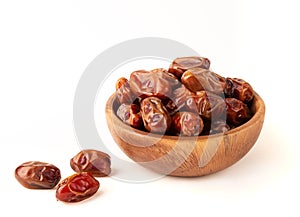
182,155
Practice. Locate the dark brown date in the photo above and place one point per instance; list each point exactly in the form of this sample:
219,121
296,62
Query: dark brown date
197,79
187,124
237,111
181,64
37,175
123,91
95,162
77,187
206,104
130,114
239,89
155,116
158,83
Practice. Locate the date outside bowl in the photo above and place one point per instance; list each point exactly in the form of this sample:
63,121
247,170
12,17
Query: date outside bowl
186,156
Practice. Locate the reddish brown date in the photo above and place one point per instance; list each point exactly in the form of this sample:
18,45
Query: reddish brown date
158,83
197,79
237,111
37,175
155,116
207,104
120,82
95,162
187,124
152,99
181,64
77,187
130,115
239,89
178,100
123,91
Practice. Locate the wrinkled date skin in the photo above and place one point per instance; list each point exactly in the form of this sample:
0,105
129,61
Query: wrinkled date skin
181,64
37,175
239,89
187,124
130,115
150,100
155,116
77,187
158,83
95,162
178,100
206,104
197,79
237,111
123,91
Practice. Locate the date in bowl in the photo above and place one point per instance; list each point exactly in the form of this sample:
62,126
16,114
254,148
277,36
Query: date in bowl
186,156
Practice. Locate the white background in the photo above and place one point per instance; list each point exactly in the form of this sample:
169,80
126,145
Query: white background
46,45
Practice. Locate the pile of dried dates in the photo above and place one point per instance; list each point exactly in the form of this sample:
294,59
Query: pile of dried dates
187,99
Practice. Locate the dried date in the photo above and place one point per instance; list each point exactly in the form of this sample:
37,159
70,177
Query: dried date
37,175
130,115
158,83
95,162
178,101
77,187
239,89
197,79
120,82
164,96
155,116
181,64
123,91
207,104
187,124
237,111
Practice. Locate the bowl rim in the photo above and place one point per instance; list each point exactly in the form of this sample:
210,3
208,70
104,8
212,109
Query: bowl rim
260,110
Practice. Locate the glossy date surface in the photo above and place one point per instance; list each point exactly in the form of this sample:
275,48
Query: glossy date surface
207,104
158,83
130,114
239,89
155,116
152,100
197,79
181,64
237,111
77,187
178,100
95,162
187,124
37,175
123,91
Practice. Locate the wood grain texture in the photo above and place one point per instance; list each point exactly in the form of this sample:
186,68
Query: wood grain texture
186,156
